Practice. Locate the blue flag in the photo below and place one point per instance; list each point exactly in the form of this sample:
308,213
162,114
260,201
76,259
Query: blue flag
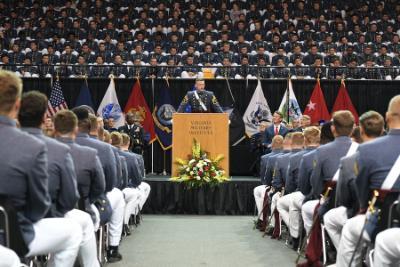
84,97
162,116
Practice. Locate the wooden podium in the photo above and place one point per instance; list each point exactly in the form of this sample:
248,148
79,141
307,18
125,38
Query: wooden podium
210,129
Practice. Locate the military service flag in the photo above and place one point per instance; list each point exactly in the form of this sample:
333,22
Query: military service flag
289,106
316,107
109,106
137,105
343,102
162,116
84,98
256,111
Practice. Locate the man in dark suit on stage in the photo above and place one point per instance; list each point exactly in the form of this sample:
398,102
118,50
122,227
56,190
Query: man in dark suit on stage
277,128
200,100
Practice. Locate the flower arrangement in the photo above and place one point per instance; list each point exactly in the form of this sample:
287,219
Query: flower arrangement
198,170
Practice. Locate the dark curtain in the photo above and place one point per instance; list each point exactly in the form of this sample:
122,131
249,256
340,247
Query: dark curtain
365,94
231,198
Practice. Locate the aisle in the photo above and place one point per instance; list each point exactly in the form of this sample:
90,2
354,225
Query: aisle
182,241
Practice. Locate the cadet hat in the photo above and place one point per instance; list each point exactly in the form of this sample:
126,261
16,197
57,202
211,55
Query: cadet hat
81,113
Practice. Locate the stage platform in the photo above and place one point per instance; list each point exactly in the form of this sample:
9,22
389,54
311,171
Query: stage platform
232,198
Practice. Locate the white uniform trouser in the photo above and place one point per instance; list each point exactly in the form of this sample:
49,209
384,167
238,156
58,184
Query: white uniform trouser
117,203
88,250
132,199
259,194
8,258
334,220
350,235
61,237
274,203
295,212
145,192
387,248
307,211
283,208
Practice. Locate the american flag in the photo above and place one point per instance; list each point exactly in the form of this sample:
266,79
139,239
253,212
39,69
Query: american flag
56,101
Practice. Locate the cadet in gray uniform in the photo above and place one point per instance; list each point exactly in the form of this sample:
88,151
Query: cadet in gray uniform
89,173
132,195
62,177
114,195
326,161
259,191
200,100
137,170
371,127
375,160
24,180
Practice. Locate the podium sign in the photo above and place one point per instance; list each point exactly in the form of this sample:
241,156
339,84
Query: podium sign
210,129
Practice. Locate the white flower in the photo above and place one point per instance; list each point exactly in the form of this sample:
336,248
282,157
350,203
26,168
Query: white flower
191,161
198,165
191,173
198,178
187,169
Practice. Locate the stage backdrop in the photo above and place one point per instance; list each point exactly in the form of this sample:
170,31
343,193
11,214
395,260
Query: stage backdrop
365,94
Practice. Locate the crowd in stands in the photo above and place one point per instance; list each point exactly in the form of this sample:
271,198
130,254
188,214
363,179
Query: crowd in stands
65,179
153,39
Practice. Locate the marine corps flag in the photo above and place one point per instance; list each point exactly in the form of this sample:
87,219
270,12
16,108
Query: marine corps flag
343,102
137,105
256,111
162,116
316,107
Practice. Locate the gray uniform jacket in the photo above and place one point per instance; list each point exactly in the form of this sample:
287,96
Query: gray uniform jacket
207,97
292,174
134,175
124,176
305,171
269,172
106,156
346,191
326,162
263,164
23,176
280,170
374,163
62,177
89,172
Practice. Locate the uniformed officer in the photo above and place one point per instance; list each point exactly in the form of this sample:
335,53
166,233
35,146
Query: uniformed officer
373,164
326,161
138,137
62,176
25,175
259,191
114,195
371,127
200,100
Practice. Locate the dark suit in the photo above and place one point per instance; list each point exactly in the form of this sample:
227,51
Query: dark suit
270,133
208,98
23,176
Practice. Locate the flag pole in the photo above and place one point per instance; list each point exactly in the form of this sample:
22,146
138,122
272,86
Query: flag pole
164,161
230,90
152,144
288,99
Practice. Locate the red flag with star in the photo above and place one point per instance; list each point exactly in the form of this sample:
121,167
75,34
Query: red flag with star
343,102
316,107
138,106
